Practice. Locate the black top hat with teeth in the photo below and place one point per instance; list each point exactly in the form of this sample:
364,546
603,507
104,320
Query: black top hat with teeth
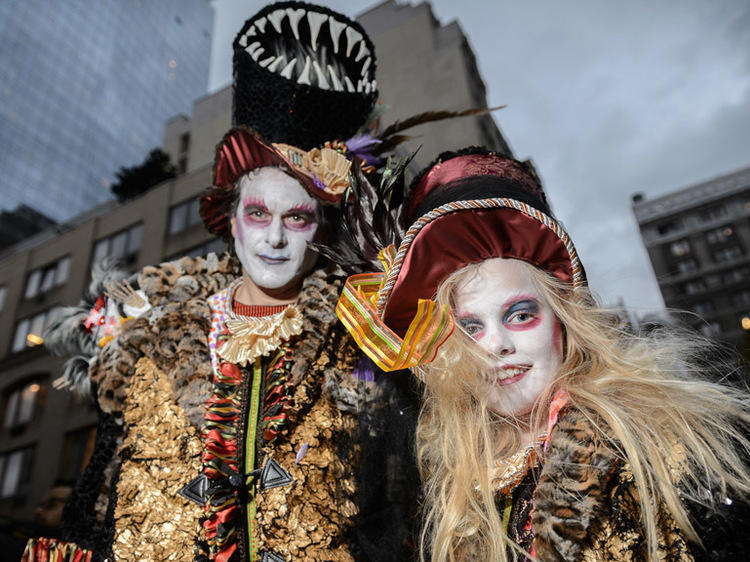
303,75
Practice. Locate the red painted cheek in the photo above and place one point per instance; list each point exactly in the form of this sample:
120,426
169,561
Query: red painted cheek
305,228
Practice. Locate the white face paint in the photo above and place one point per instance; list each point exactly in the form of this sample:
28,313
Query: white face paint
274,221
501,309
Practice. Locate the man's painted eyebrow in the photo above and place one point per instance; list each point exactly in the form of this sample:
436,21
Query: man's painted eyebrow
254,202
307,209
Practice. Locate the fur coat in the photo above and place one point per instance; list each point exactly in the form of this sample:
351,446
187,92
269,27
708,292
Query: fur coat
154,380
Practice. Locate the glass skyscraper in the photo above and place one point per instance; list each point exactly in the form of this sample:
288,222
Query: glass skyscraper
85,88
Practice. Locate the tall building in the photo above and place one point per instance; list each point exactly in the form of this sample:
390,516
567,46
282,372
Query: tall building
85,86
424,65
698,241
46,434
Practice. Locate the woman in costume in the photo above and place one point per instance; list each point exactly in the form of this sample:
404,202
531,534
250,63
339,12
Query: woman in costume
548,430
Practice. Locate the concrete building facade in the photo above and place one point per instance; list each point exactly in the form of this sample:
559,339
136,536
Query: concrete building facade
698,241
47,434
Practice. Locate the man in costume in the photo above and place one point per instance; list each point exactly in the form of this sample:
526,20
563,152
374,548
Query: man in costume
238,420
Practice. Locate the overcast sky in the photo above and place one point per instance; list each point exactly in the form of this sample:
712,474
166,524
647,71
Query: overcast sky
608,98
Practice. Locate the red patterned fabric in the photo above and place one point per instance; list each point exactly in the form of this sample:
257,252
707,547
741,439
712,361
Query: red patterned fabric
257,310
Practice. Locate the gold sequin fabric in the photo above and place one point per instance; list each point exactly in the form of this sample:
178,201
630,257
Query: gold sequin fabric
160,454
312,518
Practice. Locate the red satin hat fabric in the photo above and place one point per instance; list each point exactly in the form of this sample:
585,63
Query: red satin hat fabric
466,166
458,239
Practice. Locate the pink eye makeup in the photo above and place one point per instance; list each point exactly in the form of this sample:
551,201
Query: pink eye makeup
522,314
471,325
300,218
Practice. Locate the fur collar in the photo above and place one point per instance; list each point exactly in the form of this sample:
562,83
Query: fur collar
173,332
572,494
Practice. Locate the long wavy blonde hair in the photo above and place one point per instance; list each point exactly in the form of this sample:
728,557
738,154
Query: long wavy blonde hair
649,391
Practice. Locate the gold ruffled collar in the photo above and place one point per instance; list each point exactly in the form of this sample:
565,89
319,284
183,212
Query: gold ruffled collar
507,473
250,337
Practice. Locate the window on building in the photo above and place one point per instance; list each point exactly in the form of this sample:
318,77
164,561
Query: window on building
3,292
737,275
122,245
713,280
727,254
46,278
704,307
686,266
693,287
30,331
713,213
216,245
741,298
669,227
22,403
679,248
719,235
184,142
182,165
15,472
183,216
77,448
710,329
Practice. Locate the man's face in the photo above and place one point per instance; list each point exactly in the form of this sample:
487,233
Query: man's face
272,226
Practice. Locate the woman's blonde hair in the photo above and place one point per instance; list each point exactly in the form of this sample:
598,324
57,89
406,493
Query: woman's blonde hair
649,391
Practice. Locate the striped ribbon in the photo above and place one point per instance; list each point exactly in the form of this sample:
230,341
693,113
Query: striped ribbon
430,327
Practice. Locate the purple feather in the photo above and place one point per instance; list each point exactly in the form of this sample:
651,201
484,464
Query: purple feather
364,370
362,146
301,452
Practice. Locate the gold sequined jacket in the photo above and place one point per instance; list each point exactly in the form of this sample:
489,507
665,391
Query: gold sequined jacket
193,481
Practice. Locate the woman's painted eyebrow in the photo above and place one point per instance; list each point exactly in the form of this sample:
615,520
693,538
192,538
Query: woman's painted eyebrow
518,298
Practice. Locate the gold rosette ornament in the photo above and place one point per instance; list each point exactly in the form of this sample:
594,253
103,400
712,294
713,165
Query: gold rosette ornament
328,168
250,338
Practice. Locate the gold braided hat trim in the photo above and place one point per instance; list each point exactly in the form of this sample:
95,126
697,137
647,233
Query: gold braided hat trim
328,168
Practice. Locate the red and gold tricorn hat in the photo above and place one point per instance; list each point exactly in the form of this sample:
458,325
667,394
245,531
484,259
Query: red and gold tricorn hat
324,172
463,209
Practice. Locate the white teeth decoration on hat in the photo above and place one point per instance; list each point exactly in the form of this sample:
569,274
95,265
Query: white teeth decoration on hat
352,37
287,72
334,79
322,82
328,64
276,18
336,27
366,65
304,78
278,63
294,17
315,20
362,52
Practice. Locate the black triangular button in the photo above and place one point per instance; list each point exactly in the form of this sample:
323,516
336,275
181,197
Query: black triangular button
269,556
273,476
195,490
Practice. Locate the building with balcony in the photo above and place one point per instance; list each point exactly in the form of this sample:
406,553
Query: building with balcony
698,241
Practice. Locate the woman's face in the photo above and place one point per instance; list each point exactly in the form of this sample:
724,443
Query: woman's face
501,309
